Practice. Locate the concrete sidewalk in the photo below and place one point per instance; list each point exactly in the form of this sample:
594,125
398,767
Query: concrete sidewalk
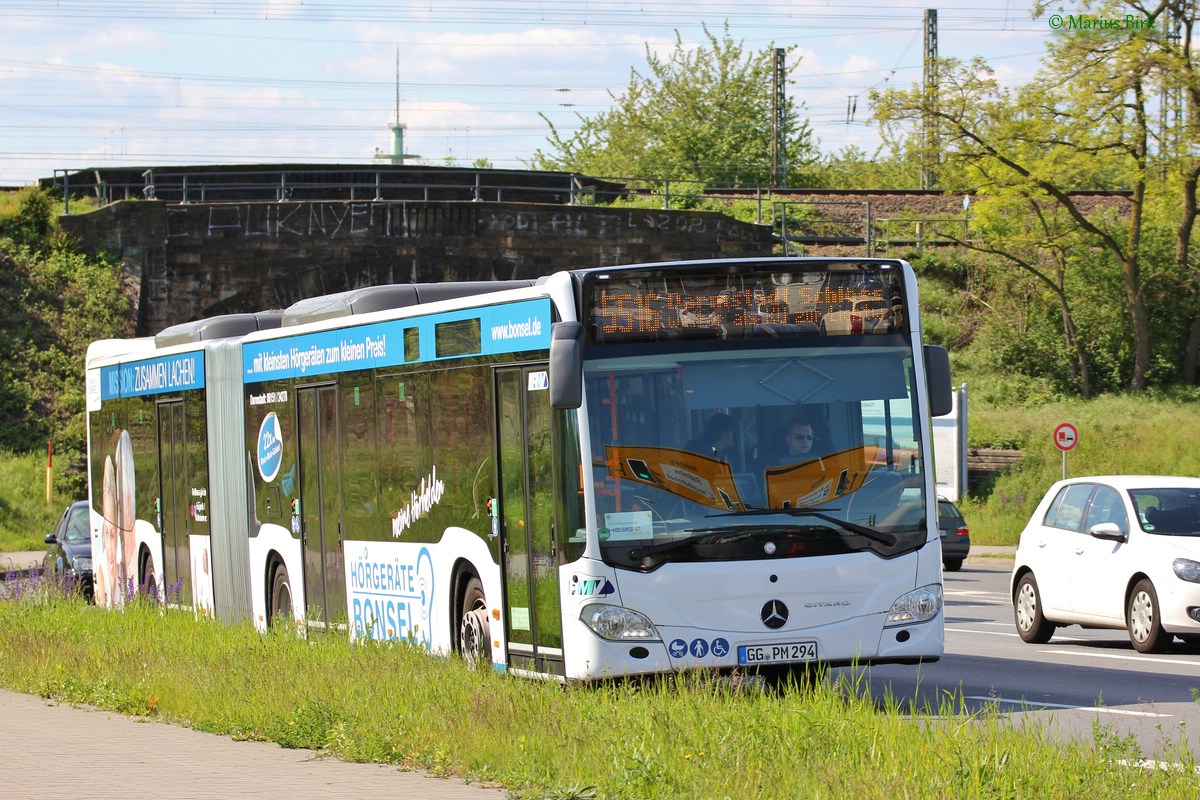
992,552
52,751
21,561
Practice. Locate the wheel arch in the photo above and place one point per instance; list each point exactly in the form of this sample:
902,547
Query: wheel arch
272,562
147,576
1019,573
1134,580
460,574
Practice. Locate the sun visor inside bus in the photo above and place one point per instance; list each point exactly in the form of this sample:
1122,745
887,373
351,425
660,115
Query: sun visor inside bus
221,327
774,382
383,298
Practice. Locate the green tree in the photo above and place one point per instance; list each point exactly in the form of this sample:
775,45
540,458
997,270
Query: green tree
1037,236
56,302
1085,121
700,114
886,168
32,220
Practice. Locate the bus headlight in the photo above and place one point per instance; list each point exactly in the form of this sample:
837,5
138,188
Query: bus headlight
919,605
618,624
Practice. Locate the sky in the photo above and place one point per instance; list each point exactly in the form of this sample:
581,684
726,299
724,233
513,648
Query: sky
120,83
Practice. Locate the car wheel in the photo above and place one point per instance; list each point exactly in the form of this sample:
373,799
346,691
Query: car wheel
1027,612
1144,620
952,564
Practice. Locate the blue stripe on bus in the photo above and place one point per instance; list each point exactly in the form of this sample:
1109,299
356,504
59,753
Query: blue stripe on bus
507,328
161,375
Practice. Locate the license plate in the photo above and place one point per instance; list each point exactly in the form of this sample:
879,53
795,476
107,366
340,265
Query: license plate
782,653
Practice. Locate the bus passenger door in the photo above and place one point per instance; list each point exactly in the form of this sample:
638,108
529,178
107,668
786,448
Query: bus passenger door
320,506
532,608
174,503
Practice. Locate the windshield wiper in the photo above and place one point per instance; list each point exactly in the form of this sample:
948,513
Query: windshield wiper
883,537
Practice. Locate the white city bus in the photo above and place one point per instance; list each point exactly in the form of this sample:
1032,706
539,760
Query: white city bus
514,471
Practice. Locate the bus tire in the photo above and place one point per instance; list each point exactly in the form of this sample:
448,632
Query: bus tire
279,600
147,581
474,632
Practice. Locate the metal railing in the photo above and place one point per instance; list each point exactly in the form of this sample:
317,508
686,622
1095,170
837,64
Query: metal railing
798,224
383,185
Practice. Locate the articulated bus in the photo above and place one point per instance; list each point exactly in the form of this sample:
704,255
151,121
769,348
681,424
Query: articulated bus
517,471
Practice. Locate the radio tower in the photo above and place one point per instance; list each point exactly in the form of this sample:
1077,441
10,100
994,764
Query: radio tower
398,156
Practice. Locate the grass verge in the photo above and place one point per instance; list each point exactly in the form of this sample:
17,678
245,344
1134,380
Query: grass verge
690,737
1118,434
25,517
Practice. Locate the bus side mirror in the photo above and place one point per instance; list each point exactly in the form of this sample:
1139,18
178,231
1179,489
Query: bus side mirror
937,380
566,365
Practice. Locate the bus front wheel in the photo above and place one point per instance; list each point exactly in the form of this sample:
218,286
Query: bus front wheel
474,635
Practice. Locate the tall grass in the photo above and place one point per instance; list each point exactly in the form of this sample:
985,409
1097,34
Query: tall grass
1152,435
694,737
25,517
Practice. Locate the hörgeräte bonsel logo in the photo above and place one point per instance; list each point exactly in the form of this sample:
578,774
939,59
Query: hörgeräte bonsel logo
270,447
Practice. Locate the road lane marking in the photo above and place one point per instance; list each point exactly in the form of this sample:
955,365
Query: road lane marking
1011,633
1029,705
1135,658
984,633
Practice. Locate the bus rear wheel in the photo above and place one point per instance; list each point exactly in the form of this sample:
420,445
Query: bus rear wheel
146,572
474,632
279,603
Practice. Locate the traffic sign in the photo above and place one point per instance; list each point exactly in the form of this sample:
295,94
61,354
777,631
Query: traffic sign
1066,436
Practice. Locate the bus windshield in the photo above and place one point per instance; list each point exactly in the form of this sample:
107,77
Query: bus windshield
756,453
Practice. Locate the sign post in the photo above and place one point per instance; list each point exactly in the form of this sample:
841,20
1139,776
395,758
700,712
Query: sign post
1066,436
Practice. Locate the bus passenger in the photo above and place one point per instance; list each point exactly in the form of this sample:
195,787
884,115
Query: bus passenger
716,440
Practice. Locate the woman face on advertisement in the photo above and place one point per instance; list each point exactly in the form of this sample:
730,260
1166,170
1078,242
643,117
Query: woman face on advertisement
107,557
125,506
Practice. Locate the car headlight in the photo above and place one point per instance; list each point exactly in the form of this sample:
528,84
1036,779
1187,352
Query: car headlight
919,605
618,624
83,564
1186,569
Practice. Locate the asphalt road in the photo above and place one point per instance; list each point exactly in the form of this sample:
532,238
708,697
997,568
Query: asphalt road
1078,678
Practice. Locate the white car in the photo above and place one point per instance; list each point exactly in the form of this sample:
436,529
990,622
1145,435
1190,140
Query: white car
1117,551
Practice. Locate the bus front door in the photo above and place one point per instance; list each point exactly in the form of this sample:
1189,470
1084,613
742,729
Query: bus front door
174,502
320,506
534,618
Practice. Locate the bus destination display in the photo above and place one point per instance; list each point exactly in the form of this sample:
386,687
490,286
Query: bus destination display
843,298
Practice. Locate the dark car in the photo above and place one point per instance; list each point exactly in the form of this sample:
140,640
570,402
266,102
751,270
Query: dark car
69,549
956,539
